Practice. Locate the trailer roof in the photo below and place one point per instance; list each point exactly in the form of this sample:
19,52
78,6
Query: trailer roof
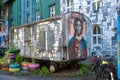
40,21
44,20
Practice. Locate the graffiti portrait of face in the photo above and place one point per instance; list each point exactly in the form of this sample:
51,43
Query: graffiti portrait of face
78,27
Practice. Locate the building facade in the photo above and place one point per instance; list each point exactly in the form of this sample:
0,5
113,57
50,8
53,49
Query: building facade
27,11
20,12
103,16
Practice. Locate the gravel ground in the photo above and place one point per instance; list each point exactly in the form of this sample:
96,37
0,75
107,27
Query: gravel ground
9,77
57,76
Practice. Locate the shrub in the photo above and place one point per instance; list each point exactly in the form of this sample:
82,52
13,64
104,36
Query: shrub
18,58
84,68
80,72
44,71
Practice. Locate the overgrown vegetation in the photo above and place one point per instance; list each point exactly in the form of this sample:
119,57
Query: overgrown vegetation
13,49
44,71
1,7
1,4
83,70
18,58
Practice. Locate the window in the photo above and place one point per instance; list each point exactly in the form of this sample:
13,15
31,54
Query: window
12,8
96,30
94,40
28,18
12,22
20,19
99,40
96,35
117,1
96,5
20,5
37,15
52,10
69,5
28,3
37,1
114,39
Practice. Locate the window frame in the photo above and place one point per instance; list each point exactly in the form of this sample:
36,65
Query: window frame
97,39
95,5
28,3
69,5
28,18
37,15
37,1
52,10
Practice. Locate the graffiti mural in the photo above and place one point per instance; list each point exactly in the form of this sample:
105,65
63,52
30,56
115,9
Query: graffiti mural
4,29
76,25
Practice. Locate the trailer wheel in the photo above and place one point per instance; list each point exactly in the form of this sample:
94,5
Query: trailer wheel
53,67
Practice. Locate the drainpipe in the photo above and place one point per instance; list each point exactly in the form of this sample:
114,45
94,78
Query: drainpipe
118,37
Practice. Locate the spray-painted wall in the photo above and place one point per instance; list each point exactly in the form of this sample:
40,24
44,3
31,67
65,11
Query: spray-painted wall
4,29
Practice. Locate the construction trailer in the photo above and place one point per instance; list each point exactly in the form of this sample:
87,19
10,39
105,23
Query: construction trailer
54,39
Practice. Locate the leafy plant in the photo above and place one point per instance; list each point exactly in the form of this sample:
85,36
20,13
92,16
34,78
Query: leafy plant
33,61
20,73
1,7
84,68
45,71
37,72
12,49
18,58
80,72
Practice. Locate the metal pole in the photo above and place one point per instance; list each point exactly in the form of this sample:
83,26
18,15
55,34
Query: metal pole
118,39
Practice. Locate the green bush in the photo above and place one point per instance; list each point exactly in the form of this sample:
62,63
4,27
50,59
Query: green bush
13,49
37,72
80,72
84,68
18,58
44,71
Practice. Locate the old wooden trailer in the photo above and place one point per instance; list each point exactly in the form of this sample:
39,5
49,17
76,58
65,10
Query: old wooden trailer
59,39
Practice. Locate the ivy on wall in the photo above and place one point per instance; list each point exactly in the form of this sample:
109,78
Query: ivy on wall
1,7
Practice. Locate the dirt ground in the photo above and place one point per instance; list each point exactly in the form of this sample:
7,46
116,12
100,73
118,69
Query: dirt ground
66,72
